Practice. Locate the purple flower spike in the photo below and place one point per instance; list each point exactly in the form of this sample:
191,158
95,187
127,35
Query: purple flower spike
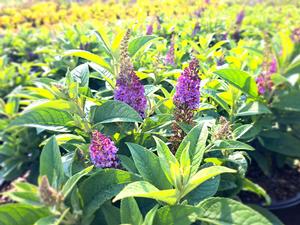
149,29
170,57
196,29
296,35
264,81
129,88
103,151
273,66
240,17
188,87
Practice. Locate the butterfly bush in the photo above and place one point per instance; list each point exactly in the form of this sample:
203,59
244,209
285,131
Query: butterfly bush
129,88
103,151
264,81
149,30
240,17
170,57
196,29
186,100
296,35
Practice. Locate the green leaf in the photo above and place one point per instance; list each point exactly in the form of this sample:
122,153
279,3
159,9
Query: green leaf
130,212
103,39
267,214
81,75
207,189
114,111
227,211
49,220
288,102
89,56
110,213
149,218
197,138
102,186
20,214
176,215
128,163
239,79
280,142
253,108
46,118
168,162
137,44
148,166
248,185
231,145
242,131
146,190
203,175
72,181
51,164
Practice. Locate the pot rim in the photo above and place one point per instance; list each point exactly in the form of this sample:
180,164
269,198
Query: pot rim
286,203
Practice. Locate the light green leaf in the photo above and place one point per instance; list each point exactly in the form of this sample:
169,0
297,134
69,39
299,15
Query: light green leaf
197,138
168,162
89,56
239,79
20,214
146,190
248,185
203,175
137,44
72,181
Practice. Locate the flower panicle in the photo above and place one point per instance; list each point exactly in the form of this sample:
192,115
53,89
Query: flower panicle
103,152
187,93
170,56
264,80
186,101
129,88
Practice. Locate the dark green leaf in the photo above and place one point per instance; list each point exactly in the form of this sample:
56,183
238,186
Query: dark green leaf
114,111
51,164
130,212
148,166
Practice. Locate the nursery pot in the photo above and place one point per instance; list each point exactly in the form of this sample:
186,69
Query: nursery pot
287,211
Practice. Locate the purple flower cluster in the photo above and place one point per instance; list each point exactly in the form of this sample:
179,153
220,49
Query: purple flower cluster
264,81
129,88
149,30
103,151
296,35
170,57
196,29
188,87
240,17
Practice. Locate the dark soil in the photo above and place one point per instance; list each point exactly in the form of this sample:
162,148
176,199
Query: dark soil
284,184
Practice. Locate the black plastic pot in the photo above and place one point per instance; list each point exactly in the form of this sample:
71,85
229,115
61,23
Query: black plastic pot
287,211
